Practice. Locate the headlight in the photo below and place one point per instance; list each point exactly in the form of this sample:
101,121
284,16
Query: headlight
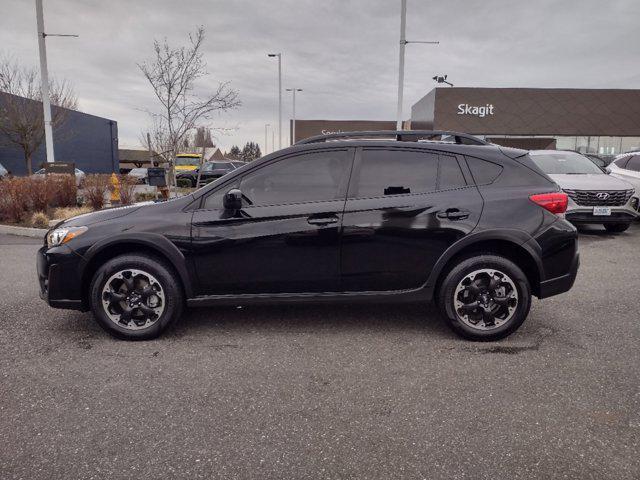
62,235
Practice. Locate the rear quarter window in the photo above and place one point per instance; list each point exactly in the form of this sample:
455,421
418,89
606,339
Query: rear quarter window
483,171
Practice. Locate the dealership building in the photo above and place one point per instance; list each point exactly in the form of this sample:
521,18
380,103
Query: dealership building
604,121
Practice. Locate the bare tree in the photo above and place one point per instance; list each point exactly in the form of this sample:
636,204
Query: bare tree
172,74
21,114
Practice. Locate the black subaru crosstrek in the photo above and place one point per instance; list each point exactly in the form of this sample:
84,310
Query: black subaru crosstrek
361,216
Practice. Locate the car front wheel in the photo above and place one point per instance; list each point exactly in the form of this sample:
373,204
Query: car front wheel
485,297
136,297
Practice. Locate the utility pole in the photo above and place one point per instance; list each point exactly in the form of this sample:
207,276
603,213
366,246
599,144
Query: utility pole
44,80
279,55
266,146
204,136
403,43
293,133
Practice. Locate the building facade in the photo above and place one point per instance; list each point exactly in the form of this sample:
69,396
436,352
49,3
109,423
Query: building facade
89,141
603,121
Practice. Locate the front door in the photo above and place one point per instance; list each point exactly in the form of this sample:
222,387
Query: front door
286,237
405,207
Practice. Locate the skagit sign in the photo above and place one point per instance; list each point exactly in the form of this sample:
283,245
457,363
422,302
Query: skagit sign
478,111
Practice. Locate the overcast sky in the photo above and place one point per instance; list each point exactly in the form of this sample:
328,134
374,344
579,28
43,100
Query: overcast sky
343,53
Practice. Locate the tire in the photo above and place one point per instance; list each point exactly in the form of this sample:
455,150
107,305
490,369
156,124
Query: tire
155,285
514,314
616,227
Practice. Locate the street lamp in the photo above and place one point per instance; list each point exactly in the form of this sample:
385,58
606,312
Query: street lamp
266,127
403,43
279,55
293,133
442,80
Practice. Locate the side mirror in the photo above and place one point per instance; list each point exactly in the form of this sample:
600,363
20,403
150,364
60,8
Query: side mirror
232,200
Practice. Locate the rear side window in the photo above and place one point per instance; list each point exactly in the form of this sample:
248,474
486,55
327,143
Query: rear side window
483,172
634,163
450,176
396,172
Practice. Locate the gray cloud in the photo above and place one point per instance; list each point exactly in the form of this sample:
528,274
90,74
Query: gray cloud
342,53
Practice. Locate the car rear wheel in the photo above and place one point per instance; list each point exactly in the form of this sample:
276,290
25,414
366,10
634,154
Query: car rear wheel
616,227
485,297
135,297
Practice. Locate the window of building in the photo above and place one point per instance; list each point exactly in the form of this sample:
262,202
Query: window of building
396,172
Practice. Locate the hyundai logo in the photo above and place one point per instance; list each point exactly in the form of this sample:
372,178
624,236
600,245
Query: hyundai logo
602,195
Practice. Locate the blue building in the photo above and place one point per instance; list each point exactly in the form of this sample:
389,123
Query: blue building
88,141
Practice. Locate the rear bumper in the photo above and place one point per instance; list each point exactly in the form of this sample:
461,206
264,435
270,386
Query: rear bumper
57,280
561,284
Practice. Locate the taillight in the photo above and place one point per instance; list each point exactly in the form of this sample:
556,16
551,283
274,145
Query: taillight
554,202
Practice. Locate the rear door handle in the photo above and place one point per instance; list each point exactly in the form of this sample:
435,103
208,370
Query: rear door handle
322,220
454,214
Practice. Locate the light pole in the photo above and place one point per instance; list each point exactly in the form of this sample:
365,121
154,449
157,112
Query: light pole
266,146
44,80
279,55
293,133
403,43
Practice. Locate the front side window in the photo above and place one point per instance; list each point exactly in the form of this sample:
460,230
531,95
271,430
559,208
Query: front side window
396,172
310,177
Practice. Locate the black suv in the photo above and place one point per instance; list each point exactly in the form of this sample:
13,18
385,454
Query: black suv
364,216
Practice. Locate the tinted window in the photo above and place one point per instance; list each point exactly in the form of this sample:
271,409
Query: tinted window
217,166
634,163
483,172
396,172
303,178
450,175
564,163
622,162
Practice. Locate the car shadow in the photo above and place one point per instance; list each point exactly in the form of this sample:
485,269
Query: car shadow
313,318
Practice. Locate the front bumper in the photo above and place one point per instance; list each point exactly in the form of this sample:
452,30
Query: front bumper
57,278
586,217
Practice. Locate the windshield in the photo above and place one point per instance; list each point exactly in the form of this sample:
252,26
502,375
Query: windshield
569,163
193,161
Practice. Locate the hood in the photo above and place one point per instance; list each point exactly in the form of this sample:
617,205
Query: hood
590,181
87,219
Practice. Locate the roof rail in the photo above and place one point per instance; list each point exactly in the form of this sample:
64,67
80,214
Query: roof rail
400,136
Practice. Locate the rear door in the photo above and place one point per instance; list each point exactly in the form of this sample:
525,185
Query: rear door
404,208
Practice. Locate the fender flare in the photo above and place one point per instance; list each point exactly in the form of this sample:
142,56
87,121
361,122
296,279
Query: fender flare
153,241
518,238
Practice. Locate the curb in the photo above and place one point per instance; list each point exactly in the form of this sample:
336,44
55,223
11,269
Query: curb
23,231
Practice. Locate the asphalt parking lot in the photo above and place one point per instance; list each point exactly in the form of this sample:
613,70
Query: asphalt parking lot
327,392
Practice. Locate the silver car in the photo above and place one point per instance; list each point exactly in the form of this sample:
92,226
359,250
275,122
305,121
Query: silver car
594,196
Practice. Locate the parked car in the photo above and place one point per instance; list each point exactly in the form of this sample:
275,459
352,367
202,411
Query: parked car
80,175
600,161
478,228
627,167
594,196
210,171
140,174
3,172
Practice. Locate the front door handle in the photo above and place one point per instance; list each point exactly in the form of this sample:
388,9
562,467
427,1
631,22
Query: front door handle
454,214
322,220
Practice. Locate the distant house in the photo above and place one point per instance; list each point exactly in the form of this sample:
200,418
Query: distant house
89,141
